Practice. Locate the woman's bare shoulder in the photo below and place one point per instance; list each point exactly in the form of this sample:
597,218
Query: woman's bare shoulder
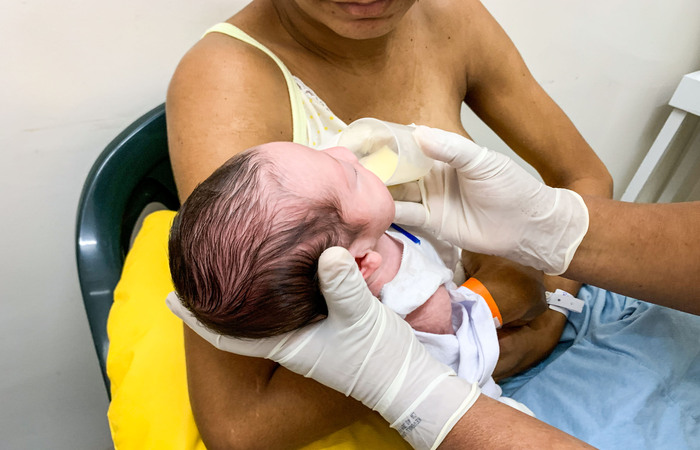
221,63
224,97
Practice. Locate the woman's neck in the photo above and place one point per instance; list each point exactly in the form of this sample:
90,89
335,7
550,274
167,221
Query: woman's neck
324,42
391,251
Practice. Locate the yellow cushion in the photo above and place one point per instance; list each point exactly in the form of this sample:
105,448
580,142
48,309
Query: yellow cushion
146,363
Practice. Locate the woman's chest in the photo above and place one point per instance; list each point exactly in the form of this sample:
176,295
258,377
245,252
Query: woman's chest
403,94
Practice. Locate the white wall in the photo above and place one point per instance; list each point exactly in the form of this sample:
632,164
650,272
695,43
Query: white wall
75,73
611,65
72,75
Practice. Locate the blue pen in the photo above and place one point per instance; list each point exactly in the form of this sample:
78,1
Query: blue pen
406,233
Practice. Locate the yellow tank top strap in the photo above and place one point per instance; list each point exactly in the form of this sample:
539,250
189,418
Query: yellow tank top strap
300,134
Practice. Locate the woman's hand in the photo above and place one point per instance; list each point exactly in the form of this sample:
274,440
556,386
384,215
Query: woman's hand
524,346
484,202
517,290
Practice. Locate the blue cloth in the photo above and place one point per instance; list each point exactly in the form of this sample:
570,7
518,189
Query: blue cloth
625,375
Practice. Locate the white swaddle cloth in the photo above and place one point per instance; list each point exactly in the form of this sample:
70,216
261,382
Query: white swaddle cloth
420,274
472,352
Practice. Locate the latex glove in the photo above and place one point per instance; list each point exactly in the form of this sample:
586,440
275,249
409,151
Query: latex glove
364,350
483,201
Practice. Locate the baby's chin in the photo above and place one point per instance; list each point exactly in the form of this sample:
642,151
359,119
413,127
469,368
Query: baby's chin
387,223
390,208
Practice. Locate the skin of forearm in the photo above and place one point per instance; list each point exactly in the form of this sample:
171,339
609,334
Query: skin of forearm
600,186
283,426
239,406
328,412
646,251
493,425
552,283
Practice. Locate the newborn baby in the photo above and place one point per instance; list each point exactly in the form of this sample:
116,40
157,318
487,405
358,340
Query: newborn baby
244,249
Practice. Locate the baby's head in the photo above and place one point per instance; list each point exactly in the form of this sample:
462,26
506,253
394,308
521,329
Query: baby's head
244,246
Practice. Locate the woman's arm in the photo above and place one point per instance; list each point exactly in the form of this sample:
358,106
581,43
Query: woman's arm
225,97
647,251
242,402
493,425
503,93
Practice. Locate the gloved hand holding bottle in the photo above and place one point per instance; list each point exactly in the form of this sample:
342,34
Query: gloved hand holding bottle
482,201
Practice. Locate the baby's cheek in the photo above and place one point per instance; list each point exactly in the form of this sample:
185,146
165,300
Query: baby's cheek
434,316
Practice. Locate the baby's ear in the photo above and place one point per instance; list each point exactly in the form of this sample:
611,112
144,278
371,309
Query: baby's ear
368,263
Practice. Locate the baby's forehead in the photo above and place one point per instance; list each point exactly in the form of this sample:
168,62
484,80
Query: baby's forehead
291,157
279,150
293,167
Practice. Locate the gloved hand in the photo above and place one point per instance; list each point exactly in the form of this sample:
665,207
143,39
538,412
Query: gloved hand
483,201
364,350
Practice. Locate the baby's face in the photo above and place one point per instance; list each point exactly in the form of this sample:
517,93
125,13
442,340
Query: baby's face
313,173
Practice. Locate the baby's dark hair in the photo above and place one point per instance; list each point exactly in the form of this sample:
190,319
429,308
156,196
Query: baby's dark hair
244,250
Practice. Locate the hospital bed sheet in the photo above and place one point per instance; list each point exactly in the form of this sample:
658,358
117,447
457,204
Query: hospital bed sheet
626,374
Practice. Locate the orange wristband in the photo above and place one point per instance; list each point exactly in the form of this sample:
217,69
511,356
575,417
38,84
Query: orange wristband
477,287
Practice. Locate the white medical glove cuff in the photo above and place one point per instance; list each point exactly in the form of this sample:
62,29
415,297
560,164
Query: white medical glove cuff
425,398
428,421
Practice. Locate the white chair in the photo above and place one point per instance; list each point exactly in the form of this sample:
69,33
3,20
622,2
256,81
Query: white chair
686,100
